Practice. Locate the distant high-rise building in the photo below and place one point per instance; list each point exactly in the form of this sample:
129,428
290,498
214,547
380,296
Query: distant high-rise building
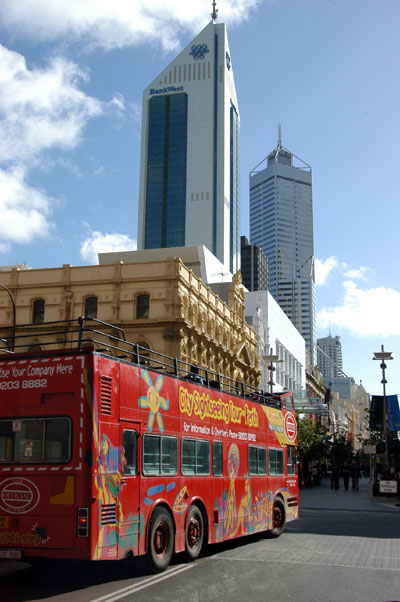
329,357
281,222
189,170
254,266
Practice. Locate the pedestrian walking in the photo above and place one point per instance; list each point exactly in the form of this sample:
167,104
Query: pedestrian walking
335,477
355,475
315,473
346,475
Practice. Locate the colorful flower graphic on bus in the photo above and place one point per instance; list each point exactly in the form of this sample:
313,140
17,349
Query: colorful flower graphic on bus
153,400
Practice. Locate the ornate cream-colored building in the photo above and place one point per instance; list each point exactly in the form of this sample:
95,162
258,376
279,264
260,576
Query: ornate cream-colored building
160,304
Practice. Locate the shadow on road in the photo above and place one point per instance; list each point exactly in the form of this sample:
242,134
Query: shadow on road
23,582
361,523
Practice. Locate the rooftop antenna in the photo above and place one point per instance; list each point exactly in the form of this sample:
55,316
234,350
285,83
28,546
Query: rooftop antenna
214,13
279,135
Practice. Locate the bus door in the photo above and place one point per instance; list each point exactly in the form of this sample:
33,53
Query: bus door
130,521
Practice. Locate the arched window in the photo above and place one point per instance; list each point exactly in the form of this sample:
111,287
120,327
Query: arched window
91,307
142,306
38,311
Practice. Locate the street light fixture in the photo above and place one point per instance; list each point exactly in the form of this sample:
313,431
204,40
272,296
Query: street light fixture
11,347
272,359
383,356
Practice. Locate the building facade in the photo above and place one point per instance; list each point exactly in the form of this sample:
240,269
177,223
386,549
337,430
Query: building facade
161,305
329,357
281,222
277,336
190,150
254,266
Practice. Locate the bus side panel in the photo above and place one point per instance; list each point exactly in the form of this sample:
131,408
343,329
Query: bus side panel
131,516
282,431
38,499
34,518
106,466
159,406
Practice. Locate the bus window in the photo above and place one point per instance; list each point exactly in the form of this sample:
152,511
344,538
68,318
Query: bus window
5,440
160,455
275,464
291,462
257,460
35,441
217,458
129,442
169,455
262,460
195,456
202,457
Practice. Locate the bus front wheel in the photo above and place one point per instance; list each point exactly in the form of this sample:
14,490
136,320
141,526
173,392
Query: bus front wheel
161,540
194,533
278,519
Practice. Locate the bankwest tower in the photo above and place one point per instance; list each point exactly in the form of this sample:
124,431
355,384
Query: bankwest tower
189,172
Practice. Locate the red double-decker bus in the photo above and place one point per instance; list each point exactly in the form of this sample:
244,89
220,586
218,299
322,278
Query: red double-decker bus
109,450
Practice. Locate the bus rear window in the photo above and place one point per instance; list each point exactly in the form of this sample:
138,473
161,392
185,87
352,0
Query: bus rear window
35,440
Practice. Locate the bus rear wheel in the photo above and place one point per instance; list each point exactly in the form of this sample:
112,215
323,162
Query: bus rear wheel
194,533
278,519
160,540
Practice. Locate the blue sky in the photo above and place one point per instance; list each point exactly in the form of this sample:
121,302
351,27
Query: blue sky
72,74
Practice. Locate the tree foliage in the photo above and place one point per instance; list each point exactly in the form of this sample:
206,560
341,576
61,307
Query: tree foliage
312,440
341,448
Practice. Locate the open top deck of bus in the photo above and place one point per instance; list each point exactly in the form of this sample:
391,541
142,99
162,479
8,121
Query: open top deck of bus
84,335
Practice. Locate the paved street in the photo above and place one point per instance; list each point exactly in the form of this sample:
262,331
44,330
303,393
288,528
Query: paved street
344,548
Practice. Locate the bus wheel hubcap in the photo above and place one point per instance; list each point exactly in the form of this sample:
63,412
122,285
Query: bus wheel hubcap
277,516
194,532
161,539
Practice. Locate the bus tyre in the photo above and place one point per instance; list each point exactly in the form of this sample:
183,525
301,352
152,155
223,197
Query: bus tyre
194,533
161,540
278,519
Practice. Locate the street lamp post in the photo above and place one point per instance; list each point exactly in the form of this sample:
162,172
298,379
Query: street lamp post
14,317
272,359
384,355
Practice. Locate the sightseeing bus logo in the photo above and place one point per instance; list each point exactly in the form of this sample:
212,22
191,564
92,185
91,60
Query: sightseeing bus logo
18,495
290,426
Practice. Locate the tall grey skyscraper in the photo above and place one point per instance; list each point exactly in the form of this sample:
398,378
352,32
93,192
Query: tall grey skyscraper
281,222
189,170
329,357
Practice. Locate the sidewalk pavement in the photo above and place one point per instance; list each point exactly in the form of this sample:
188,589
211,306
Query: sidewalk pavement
322,496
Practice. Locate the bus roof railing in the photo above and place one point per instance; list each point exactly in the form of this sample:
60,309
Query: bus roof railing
85,334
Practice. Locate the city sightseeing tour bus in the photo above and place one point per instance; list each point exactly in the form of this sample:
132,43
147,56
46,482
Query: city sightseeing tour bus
109,450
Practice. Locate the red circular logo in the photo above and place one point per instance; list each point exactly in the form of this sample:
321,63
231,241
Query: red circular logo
290,426
18,495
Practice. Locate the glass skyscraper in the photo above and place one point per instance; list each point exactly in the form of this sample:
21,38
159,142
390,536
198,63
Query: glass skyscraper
190,152
281,222
329,357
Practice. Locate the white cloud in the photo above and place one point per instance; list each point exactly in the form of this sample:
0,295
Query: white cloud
115,24
365,312
42,108
98,242
360,273
24,210
323,268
